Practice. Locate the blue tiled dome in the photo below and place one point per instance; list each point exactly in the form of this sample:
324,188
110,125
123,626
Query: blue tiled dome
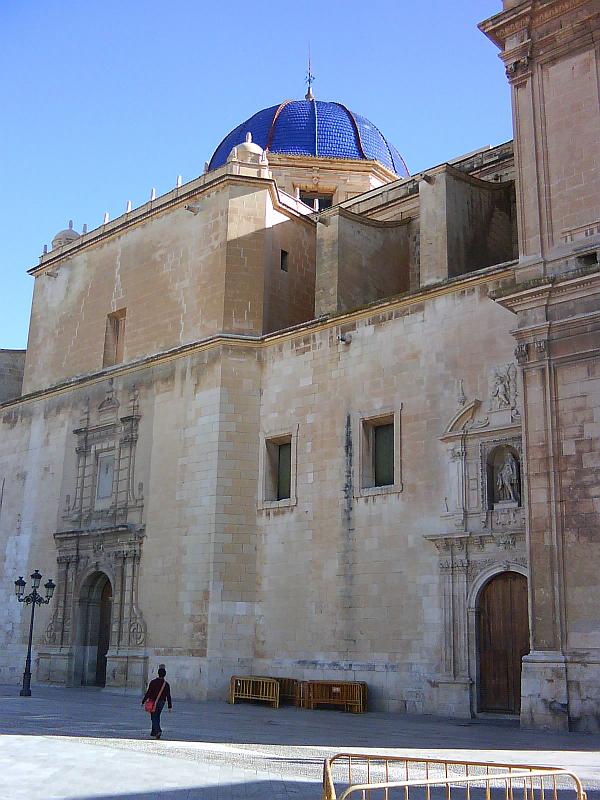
313,128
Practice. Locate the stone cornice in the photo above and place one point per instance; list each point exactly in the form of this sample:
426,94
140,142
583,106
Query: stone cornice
312,163
361,219
473,179
527,16
499,27
489,274
543,290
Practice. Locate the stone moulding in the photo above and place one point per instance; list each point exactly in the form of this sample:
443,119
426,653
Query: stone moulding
457,425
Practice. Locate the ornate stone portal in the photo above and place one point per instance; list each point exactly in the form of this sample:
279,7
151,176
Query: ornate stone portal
103,541
484,524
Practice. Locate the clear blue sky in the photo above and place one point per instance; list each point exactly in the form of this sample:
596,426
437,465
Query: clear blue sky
101,100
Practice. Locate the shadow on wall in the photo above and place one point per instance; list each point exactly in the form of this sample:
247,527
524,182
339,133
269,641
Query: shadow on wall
269,279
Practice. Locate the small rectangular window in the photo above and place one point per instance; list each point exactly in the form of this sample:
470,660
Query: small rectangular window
284,470
284,260
316,200
383,455
378,457
104,478
278,468
114,340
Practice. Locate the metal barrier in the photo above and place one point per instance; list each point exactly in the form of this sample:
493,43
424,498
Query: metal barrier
252,687
351,695
289,690
380,777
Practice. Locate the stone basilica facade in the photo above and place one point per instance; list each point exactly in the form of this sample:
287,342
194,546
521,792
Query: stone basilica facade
308,415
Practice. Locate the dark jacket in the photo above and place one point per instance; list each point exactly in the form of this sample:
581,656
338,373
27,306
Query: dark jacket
154,688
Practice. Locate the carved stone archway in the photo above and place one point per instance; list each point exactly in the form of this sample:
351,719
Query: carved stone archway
114,552
481,581
93,613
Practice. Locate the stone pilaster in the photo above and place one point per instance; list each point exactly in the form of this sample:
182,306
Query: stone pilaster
558,350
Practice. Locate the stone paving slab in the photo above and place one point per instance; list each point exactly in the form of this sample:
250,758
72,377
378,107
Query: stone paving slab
87,743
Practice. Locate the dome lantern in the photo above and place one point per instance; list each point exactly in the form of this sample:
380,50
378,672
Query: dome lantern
248,152
65,237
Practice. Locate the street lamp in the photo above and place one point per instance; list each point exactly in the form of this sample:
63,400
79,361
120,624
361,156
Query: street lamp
34,598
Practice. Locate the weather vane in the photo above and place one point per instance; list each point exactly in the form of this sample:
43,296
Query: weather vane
309,79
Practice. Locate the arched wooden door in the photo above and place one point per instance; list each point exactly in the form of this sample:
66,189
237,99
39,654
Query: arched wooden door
503,641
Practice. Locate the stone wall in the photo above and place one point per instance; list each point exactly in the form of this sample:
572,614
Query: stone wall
465,224
12,365
212,578
349,586
289,295
180,276
360,260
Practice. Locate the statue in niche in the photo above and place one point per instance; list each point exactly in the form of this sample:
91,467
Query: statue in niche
507,480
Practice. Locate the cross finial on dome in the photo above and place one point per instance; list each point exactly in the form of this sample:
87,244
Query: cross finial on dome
309,79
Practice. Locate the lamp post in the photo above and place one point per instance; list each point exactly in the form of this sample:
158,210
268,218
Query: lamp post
34,598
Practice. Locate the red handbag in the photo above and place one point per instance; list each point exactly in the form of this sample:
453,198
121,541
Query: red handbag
150,705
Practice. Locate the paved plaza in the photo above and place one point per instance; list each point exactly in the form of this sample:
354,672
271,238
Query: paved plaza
88,743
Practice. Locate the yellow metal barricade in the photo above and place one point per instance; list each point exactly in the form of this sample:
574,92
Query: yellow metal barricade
380,777
252,687
288,690
350,695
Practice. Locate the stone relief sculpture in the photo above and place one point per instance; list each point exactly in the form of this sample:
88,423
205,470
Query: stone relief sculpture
500,394
507,480
504,388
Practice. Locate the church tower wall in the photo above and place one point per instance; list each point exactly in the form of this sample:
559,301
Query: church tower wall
552,60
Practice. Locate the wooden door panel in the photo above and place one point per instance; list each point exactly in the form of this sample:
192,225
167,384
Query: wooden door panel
103,634
495,692
503,629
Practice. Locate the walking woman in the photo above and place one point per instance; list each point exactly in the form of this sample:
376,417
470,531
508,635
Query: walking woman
154,700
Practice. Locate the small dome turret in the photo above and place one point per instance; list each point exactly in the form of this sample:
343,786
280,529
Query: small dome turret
65,237
248,152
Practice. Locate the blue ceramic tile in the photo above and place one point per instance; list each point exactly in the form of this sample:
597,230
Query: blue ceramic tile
313,128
